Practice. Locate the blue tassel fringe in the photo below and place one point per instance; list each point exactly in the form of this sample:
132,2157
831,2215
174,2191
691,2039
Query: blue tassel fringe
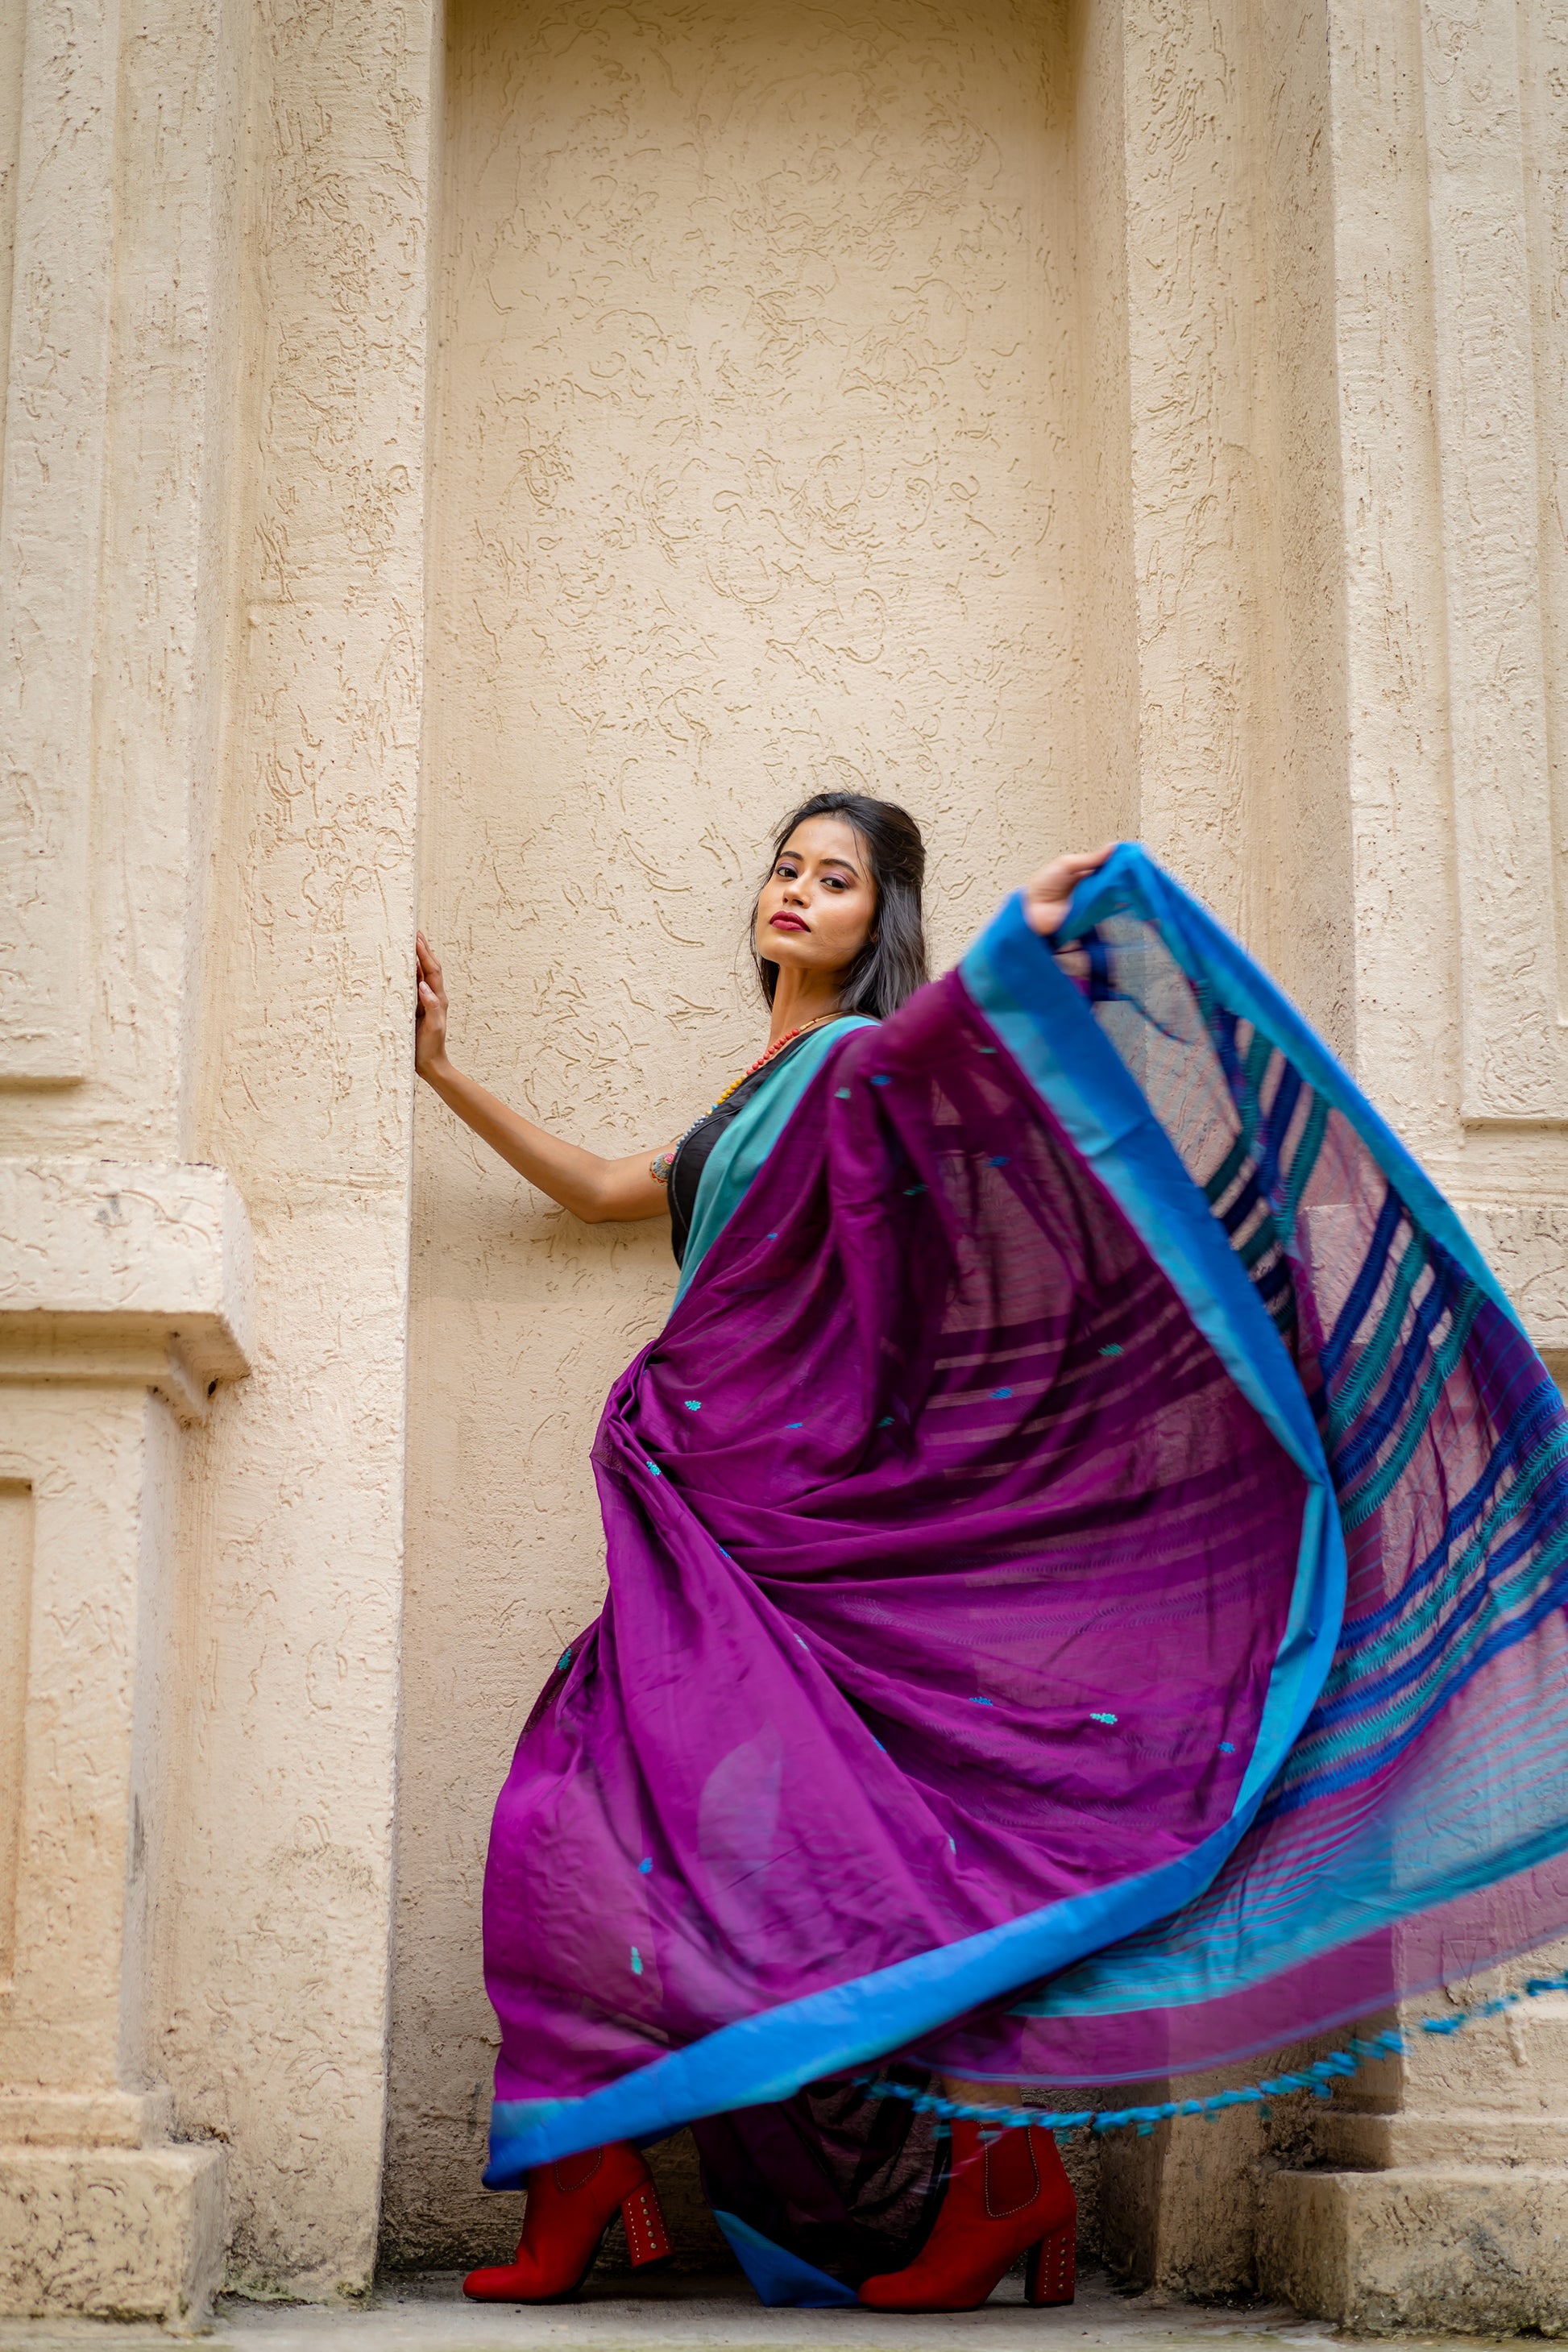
1318,2078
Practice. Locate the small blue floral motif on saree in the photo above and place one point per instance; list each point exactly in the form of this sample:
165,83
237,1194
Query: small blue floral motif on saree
1227,1747
886,1421
1102,1718
772,1237
999,1159
843,1094
1001,1392
655,1468
881,1079
563,1662
646,1864
1111,1350
910,1190
636,1961
693,1404
981,1049
952,1843
975,1700
795,1425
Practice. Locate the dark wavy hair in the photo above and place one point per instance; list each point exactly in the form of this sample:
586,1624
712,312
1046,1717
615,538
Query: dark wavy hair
892,964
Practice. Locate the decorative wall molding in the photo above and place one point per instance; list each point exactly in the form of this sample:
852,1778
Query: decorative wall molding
119,1273
1526,1245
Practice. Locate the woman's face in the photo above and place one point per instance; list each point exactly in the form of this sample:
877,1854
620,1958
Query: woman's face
819,902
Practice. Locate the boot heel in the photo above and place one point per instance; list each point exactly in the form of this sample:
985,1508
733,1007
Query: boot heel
647,2239
1052,2273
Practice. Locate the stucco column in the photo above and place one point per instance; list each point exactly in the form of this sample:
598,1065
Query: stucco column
1440,2195
1214,644
1327,369
124,1303
211,566
124,1268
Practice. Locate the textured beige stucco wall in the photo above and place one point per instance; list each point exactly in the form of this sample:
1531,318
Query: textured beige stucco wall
141,770
1214,632
1544,42
12,24
1412,594
755,471
274,1955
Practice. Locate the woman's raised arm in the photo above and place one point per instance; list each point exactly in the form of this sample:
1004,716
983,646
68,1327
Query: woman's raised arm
598,1191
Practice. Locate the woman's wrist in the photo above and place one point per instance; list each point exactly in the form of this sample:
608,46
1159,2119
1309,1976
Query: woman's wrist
437,1072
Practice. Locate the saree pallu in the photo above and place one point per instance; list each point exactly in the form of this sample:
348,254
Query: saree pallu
1088,1555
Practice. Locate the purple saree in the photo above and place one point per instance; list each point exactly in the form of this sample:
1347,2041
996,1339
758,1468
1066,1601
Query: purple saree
1087,1570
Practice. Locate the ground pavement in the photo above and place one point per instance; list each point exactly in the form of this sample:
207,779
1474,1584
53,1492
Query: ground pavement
428,2315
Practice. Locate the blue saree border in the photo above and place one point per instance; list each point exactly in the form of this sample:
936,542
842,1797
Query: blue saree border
759,2060
1037,1013
1130,882
1050,1032
737,1158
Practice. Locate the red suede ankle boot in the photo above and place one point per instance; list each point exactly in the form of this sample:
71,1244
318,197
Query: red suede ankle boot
570,2204
1006,2195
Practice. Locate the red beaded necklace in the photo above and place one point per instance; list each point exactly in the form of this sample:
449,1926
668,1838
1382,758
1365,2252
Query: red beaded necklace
764,1057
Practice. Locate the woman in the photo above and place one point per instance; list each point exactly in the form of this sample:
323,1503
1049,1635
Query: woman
1090,1496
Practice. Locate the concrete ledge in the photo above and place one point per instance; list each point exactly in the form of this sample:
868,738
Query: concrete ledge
167,1239
112,2232
1444,2141
78,2119
1471,2250
113,1271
